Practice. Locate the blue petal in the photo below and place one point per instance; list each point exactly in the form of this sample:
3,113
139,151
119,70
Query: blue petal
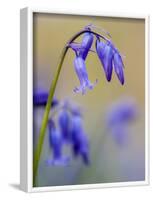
118,66
82,74
55,138
105,54
79,139
86,45
64,123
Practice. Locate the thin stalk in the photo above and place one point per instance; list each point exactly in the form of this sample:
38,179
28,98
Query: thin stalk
38,150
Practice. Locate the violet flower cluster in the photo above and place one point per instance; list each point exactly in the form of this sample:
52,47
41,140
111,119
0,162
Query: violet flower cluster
119,116
108,55
66,130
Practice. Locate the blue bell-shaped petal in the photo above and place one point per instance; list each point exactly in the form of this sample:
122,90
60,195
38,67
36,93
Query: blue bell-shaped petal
105,54
118,67
86,45
64,124
80,69
55,142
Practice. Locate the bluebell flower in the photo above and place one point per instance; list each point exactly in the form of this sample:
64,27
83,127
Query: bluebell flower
105,54
64,124
40,98
80,69
108,54
86,45
80,141
55,142
118,118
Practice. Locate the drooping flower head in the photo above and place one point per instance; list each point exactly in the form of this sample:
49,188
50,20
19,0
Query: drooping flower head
55,142
107,52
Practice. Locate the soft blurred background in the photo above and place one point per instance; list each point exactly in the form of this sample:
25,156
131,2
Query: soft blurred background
109,162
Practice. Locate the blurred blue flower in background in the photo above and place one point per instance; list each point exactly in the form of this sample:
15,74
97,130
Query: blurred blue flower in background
80,141
56,144
67,130
118,117
40,98
64,124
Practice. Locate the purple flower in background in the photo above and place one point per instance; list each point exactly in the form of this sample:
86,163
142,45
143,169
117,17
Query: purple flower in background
67,130
105,54
80,141
119,115
64,124
86,45
82,74
55,142
120,134
40,98
122,112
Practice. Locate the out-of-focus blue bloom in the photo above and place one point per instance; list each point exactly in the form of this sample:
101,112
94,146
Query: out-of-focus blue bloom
86,45
122,112
64,123
118,118
105,54
55,142
80,141
40,98
80,69
120,134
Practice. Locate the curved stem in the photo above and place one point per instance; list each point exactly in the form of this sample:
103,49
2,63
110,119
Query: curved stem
38,150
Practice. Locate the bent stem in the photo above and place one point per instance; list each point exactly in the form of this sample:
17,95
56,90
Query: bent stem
37,152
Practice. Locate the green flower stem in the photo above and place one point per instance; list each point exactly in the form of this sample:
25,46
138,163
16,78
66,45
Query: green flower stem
45,118
39,146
